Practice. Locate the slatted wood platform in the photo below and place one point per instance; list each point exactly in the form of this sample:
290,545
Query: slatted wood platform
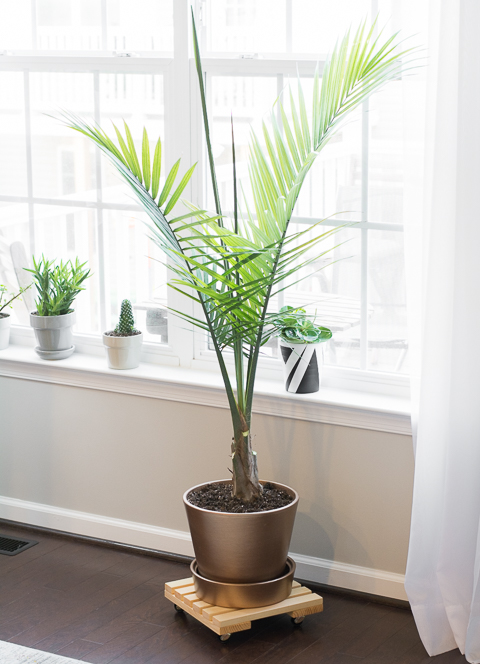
224,622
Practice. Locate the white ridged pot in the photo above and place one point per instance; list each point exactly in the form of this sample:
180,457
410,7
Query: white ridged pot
54,335
302,366
123,352
4,330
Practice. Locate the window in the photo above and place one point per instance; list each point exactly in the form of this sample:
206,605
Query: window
110,60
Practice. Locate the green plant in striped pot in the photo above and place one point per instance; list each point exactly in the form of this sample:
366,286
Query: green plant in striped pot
301,347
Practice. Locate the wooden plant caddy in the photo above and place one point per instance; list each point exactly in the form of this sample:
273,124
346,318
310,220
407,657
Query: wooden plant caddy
224,622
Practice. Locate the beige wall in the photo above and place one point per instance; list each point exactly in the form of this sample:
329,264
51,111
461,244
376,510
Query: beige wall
132,458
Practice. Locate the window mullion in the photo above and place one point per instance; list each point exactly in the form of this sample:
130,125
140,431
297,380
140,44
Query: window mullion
288,25
199,177
33,4
364,241
100,234
178,144
28,145
280,83
104,24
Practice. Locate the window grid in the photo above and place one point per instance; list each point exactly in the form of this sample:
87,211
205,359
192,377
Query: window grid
225,67
59,63
279,68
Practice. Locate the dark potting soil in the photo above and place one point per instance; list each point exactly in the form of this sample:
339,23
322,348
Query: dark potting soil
218,498
112,333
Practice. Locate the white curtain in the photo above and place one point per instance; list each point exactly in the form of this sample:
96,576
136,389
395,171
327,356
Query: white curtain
442,580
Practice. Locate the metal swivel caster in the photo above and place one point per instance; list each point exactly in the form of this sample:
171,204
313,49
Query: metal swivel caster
298,621
178,608
224,637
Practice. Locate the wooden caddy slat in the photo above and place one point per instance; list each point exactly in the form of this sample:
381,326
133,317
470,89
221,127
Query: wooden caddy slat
301,602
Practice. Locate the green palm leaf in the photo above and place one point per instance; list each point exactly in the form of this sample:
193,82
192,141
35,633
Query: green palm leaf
157,168
146,160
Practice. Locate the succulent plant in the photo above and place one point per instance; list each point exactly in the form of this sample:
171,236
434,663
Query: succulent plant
57,285
127,321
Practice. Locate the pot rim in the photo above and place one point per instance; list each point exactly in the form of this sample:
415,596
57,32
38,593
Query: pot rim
37,317
302,343
290,566
132,342
123,336
3,314
242,514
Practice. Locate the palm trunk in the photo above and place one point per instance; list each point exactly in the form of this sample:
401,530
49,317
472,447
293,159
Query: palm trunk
246,485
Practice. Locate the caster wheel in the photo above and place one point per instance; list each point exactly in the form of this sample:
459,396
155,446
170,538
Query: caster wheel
178,608
224,637
298,621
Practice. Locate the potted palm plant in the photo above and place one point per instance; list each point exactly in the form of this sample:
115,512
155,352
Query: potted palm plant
57,287
300,339
124,343
231,268
4,316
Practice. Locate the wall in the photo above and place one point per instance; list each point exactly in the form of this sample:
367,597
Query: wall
69,453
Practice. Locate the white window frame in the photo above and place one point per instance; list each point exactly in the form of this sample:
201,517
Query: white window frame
184,137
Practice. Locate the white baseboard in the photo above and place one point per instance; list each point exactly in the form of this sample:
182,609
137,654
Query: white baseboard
93,525
352,577
317,570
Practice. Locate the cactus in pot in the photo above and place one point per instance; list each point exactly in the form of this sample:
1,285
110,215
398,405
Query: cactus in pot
124,343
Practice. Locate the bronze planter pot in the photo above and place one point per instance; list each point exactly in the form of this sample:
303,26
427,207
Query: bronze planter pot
244,595
241,548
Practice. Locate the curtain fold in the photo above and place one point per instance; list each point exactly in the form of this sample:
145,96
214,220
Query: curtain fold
443,568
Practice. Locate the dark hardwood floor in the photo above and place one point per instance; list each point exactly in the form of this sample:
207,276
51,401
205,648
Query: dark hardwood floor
102,605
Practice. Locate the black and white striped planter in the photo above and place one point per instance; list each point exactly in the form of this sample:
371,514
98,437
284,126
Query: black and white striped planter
302,366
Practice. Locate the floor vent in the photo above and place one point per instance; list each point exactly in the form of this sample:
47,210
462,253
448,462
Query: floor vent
10,546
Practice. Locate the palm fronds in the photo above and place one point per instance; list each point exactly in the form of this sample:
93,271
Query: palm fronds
233,267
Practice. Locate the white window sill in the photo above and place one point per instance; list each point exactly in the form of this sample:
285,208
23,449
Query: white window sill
363,410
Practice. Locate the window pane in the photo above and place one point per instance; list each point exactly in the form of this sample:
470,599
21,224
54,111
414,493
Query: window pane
334,183
14,226
139,100
317,24
246,26
14,223
13,170
134,270
63,160
387,325
69,25
16,25
386,158
249,99
332,292
64,233
133,264
143,25
146,25
333,186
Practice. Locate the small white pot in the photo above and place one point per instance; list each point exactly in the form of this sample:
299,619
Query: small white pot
4,330
302,366
123,352
54,335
